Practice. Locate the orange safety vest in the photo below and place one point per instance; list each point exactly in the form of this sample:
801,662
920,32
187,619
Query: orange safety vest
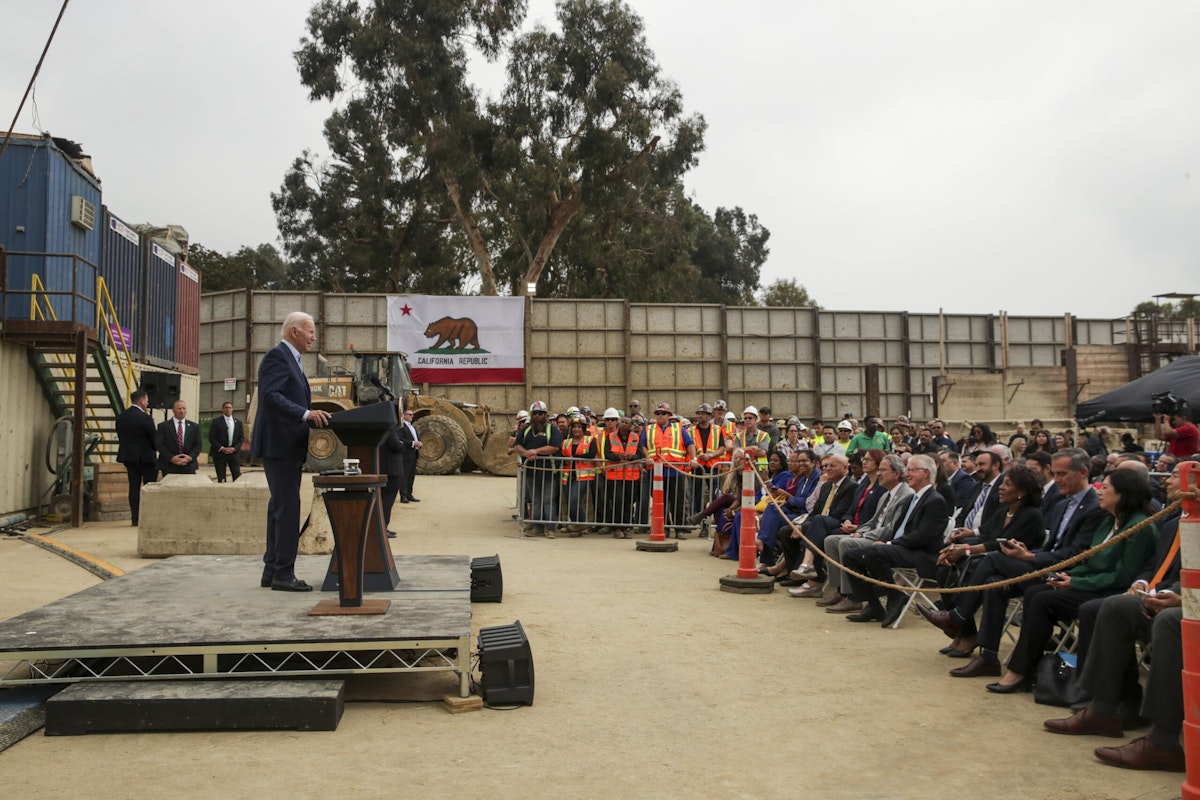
613,444
666,445
586,469
716,438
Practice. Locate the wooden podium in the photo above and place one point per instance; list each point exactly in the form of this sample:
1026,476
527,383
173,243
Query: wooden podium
362,559
353,503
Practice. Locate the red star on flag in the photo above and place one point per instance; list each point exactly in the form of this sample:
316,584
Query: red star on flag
406,309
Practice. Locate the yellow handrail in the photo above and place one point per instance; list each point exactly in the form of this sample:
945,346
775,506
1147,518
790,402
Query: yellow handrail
64,364
35,309
106,314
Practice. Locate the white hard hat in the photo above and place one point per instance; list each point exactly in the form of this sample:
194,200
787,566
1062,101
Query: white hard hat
750,410
522,414
729,417
612,413
538,405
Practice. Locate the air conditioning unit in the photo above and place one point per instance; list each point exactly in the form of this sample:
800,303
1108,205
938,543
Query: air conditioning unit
83,213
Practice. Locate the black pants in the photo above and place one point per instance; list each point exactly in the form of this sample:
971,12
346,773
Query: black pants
283,517
388,496
221,460
139,474
1044,606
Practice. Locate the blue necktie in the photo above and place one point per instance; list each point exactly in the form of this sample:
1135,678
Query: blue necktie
904,522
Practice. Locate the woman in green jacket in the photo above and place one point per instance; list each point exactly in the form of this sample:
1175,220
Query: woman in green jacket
1125,495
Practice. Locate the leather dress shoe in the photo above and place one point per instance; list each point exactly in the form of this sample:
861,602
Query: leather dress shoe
868,614
895,610
412,499
391,534
1142,753
403,499
977,667
1087,723
948,623
293,585
789,582
960,653
847,605
1023,685
827,600
267,577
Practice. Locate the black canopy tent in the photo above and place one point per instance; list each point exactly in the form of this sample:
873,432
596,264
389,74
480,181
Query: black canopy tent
1131,402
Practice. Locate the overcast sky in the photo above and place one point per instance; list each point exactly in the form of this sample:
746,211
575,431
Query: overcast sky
1031,157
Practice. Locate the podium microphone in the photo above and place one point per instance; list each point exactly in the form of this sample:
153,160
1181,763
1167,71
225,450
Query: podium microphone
383,387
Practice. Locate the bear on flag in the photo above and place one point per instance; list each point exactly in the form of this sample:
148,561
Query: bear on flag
459,339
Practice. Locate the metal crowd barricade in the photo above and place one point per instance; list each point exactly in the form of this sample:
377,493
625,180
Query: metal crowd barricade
613,498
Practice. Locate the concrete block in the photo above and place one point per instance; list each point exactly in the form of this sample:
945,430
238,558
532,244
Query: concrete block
122,706
194,515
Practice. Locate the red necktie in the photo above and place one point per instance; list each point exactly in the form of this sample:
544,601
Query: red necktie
179,432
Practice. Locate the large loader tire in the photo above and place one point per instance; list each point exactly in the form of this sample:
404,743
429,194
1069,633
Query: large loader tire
325,450
443,446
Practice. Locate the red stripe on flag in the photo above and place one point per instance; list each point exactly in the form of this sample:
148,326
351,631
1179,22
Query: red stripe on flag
467,375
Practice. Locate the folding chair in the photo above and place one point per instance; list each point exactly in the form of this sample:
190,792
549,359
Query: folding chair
907,576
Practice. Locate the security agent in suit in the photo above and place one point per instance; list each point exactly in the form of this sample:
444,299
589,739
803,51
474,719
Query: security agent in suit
879,528
1069,532
280,440
391,459
177,453
136,448
225,437
915,544
412,447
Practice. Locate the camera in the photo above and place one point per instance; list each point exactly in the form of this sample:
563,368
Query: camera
1167,403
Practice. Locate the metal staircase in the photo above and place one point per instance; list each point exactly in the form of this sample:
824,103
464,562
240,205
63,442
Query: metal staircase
58,349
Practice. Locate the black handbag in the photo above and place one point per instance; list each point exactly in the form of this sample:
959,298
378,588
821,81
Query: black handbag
1057,681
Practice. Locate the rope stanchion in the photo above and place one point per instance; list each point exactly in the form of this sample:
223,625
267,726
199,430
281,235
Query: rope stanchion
1189,549
658,542
747,580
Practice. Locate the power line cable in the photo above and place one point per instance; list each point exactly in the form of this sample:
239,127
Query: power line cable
33,78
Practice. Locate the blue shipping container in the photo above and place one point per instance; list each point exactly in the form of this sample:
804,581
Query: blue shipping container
160,297
49,205
121,264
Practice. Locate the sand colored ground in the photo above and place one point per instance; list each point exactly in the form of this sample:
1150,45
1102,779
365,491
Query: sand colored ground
651,683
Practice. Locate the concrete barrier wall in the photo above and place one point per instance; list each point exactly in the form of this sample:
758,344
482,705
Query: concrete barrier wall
818,364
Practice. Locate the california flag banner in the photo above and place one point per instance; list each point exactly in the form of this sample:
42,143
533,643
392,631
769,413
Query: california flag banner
459,339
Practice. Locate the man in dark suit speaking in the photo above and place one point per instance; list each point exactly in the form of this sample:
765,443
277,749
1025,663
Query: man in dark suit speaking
135,449
178,441
280,439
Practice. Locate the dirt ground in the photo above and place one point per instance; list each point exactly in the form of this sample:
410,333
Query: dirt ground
651,683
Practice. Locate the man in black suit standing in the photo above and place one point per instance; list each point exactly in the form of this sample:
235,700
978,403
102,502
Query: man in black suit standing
391,461
178,441
281,440
915,544
225,437
135,448
412,446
